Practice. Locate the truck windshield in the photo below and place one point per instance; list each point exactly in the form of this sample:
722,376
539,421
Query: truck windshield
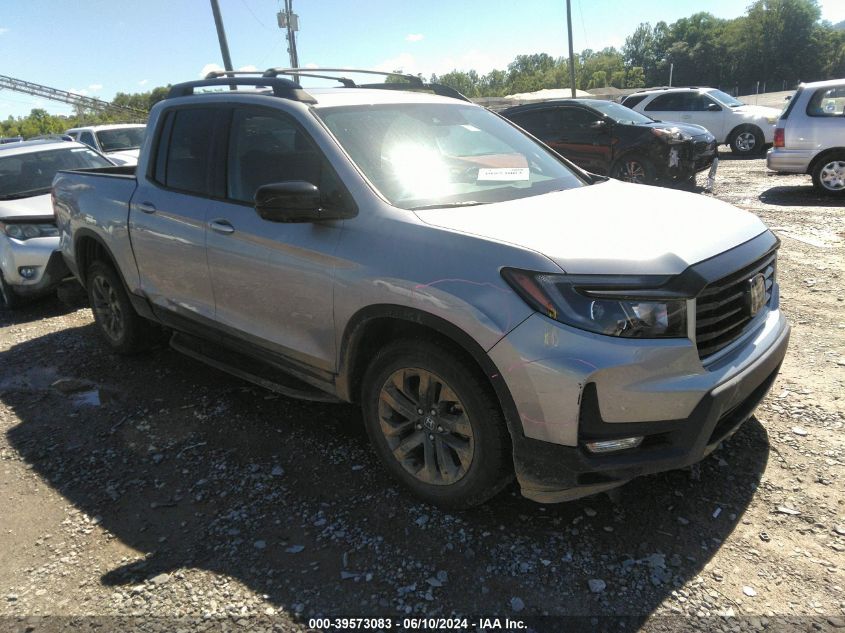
31,174
121,139
443,155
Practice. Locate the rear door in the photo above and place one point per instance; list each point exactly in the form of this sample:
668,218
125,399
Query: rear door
273,282
167,220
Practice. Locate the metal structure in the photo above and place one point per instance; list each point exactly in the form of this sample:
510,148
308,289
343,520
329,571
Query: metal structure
289,21
54,94
571,54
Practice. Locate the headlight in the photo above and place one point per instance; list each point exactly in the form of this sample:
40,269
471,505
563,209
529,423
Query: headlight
671,134
28,231
573,302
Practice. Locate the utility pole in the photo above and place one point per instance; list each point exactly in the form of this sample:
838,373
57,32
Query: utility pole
671,70
221,35
289,21
571,54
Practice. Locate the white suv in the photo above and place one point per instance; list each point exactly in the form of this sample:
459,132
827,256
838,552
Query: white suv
810,136
746,128
119,142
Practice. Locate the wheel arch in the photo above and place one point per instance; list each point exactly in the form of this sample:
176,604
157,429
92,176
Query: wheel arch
89,247
823,155
374,326
745,126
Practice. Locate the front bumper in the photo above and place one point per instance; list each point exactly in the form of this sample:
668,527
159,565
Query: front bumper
40,253
570,387
791,161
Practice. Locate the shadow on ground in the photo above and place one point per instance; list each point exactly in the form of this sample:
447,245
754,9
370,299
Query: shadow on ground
799,195
196,469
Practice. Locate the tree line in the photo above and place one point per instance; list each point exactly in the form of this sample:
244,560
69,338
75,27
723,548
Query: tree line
777,43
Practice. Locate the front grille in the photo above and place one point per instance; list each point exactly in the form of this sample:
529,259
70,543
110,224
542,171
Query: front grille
721,311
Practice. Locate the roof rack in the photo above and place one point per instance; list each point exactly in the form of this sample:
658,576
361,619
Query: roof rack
291,89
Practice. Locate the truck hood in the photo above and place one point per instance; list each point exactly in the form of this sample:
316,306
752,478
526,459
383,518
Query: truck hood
609,228
34,207
752,111
124,157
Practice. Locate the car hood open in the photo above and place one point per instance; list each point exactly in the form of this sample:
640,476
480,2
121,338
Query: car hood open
36,207
609,228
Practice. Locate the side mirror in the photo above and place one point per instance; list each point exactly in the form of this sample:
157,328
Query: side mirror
787,97
295,201
714,107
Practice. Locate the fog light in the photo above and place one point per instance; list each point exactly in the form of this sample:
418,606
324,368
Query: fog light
27,272
609,446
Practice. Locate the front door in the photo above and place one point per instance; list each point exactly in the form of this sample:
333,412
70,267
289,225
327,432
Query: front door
273,282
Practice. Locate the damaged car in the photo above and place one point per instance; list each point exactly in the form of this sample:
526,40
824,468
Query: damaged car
607,138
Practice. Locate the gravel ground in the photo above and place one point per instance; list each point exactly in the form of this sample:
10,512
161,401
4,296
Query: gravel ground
155,486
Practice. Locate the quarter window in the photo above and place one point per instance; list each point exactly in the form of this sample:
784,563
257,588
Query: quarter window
827,102
88,139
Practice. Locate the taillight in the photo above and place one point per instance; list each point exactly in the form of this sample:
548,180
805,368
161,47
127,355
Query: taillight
779,137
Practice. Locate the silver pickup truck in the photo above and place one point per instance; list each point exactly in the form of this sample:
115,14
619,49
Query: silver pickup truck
495,310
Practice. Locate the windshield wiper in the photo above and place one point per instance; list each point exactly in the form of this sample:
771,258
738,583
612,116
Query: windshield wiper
448,205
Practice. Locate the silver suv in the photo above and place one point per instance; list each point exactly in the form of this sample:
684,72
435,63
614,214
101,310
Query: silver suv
494,309
810,136
746,128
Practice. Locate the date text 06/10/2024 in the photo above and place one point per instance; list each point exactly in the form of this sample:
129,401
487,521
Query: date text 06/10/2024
416,624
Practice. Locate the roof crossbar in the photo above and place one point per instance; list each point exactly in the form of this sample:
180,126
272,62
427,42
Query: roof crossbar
273,72
284,88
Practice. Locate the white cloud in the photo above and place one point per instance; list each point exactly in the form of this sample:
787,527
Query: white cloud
79,91
414,37
312,65
3,30
143,82
95,87
248,68
404,62
209,68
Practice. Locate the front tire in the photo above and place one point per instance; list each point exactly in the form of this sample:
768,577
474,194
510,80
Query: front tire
435,424
123,329
746,141
634,169
829,175
8,299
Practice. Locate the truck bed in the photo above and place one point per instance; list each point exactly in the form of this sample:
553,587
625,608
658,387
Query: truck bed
94,204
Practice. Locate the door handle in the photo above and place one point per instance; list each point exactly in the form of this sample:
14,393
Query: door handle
147,207
221,226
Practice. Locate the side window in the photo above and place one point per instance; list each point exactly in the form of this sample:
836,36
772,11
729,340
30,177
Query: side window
632,101
540,123
88,139
574,118
265,148
826,102
189,151
668,102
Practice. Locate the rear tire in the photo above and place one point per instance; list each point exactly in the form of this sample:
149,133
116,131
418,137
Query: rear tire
436,425
829,175
124,330
746,141
634,169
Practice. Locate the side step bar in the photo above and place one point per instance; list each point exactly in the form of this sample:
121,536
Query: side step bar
247,368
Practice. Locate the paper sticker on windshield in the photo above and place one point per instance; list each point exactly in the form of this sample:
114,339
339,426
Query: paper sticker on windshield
503,173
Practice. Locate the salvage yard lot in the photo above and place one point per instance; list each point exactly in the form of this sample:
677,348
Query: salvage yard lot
156,486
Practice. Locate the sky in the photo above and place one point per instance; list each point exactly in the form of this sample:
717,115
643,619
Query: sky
101,47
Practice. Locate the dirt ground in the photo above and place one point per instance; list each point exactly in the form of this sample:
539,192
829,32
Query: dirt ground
155,486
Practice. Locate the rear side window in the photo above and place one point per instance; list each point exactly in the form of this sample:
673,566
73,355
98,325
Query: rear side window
186,164
540,123
633,100
673,101
827,102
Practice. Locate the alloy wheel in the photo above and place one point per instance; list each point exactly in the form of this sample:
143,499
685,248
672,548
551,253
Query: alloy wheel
632,171
106,306
745,141
832,176
426,426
